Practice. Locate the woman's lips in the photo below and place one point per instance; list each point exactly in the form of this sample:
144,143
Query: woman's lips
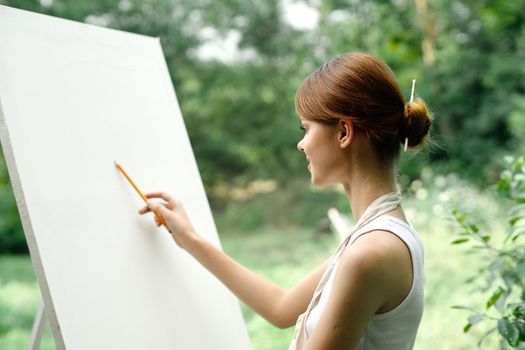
309,166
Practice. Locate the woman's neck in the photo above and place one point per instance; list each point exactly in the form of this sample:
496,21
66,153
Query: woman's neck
365,187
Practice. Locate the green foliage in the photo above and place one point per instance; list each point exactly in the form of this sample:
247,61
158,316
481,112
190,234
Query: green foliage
295,205
501,260
474,81
240,113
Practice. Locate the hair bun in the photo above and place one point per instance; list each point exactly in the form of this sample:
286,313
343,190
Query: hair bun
417,123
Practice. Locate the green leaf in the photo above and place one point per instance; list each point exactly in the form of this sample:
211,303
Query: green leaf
509,332
515,219
500,303
503,186
462,307
518,310
495,297
474,228
475,319
461,240
467,327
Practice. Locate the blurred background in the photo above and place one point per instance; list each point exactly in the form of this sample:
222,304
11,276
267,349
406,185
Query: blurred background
235,66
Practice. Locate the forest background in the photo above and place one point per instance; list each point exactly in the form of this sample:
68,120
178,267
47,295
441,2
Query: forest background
235,66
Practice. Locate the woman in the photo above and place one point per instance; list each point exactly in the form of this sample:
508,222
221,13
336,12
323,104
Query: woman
369,295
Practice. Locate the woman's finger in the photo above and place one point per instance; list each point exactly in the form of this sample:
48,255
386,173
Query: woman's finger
171,202
159,208
144,210
160,194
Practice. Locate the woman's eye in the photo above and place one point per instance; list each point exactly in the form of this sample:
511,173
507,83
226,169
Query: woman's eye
302,127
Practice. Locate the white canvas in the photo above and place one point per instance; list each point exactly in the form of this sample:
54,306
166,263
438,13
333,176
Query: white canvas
74,98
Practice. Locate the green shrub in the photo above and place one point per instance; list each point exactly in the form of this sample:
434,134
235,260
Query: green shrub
501,261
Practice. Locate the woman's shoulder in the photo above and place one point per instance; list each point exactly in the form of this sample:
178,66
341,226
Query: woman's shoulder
376,248
381,259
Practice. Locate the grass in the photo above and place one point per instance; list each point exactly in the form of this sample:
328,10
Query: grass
285,254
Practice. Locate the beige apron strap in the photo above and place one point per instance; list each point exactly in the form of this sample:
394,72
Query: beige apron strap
377,208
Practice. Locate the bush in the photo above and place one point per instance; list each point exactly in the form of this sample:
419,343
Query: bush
501,260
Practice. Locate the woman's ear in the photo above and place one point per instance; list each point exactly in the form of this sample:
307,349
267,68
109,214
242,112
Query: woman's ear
346,133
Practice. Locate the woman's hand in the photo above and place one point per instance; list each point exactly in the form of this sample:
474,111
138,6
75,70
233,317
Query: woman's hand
174,215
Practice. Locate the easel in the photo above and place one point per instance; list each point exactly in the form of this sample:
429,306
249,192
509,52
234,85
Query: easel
38,328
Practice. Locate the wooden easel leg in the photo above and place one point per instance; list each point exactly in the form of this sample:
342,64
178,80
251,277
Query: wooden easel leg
38,328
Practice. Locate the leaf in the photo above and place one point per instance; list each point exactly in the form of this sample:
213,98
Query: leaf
461,240
518,310
503,186
485,238
462,307
467,327
500,303
509,331
495,297
515,219
475,319
474,228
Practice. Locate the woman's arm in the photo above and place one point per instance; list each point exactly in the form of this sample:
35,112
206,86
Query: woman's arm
279,306
373,272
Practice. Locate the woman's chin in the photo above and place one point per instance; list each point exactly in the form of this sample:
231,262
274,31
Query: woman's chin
317,183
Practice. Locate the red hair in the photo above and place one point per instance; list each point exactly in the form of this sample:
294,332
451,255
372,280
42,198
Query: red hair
364,89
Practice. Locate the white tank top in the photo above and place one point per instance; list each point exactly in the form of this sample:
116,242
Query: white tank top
397,328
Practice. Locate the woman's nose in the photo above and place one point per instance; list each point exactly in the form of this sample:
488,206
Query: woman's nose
300,145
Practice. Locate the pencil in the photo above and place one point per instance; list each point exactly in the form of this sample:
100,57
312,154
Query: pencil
119,167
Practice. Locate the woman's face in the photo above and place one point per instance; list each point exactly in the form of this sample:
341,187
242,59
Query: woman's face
321,147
